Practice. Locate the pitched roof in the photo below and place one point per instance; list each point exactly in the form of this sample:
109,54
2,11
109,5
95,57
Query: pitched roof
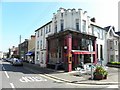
118,33
107,28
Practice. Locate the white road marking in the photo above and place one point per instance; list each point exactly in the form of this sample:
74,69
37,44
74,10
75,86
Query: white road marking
50,78
113,86
12,85
95,86
45,76
6,73
32,79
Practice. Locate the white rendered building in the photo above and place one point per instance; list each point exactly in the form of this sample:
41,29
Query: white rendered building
73,20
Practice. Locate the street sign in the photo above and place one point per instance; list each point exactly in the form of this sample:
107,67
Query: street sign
32,79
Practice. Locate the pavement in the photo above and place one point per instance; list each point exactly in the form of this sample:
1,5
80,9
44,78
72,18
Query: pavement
73,77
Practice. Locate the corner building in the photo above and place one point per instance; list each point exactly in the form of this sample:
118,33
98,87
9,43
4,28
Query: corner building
70,38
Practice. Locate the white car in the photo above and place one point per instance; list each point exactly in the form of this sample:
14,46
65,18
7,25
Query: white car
9,59
16,61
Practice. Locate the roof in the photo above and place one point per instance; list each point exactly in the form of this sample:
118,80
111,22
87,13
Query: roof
43,25
108,27
97,26
118,33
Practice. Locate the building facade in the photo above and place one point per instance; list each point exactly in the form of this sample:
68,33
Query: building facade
118,33
40,43
112,44
101,42
70,38
14,51
23,49
31,49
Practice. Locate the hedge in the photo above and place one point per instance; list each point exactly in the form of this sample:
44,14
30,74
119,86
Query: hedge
114,63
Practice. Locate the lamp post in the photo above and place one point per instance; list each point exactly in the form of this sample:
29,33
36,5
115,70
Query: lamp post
91,59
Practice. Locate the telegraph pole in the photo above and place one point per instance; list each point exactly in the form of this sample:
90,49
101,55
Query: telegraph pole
20,47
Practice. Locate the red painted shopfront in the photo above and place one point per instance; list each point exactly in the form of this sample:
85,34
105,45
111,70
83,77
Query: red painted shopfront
69,47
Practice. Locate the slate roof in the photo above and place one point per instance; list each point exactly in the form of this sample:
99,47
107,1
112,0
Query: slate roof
118,33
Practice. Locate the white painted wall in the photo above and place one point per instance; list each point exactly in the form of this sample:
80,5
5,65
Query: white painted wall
69,17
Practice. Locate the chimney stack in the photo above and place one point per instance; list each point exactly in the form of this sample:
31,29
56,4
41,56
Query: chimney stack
93,19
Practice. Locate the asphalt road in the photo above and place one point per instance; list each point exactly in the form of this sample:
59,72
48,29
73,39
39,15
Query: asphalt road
19,77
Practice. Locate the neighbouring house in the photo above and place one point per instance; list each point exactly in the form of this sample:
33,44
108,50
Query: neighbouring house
101,42
40,43
31,49
118,33
112,44
14,51
71,37
23,49
5,54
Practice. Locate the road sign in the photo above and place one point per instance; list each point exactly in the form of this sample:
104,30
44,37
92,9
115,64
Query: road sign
32,79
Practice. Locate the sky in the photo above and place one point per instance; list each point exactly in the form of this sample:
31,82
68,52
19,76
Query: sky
23,17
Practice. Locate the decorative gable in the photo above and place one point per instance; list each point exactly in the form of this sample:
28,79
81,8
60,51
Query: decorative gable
110,33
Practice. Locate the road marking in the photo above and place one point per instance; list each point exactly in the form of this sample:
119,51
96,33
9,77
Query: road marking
113,86
32,79
12,85
6,73
94,86
43,75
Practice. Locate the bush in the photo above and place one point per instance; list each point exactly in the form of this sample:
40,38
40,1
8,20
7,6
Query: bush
114,63
100,71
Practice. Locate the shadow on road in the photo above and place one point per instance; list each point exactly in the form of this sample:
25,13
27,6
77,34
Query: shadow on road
6,66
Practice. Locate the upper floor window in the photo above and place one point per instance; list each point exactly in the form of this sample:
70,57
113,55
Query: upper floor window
37,55
111,44
41,32
77,24
49,28
55,26
62,15
55,17
101,34
62,25
98,32
92,27
116,43
84,26
46,29
38,33
41,44
37,44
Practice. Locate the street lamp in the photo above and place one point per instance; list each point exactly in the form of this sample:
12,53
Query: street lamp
65,47
91,59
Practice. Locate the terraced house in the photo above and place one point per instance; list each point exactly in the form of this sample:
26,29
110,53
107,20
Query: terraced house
70,38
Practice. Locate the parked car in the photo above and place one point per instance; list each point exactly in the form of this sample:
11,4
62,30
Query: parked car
8,59
16,61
